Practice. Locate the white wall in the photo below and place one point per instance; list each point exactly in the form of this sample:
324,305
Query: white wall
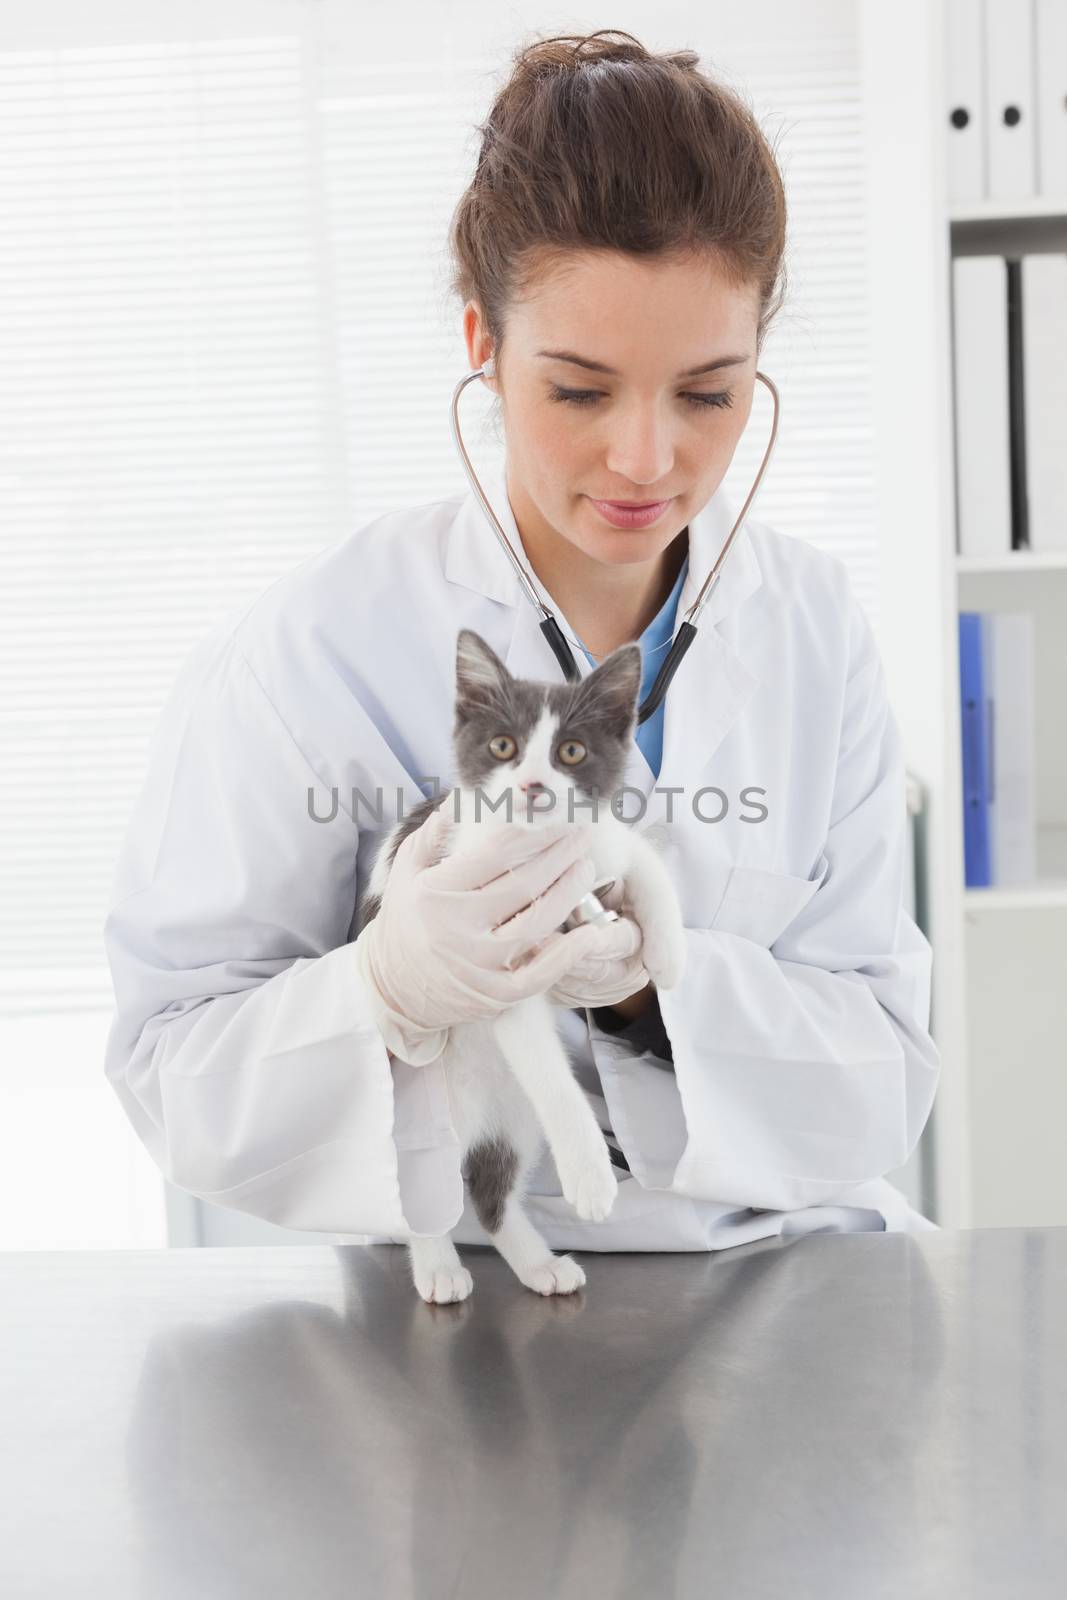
72,1175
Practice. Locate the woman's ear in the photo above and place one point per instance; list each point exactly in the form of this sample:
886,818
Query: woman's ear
476,337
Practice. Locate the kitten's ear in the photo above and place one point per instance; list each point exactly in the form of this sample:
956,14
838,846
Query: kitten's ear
480,673
610,691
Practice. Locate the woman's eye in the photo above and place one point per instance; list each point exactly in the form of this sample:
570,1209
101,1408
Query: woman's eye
575,397
717,397
502,747
588,397
572,751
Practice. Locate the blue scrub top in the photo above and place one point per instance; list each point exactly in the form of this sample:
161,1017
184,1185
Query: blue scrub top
655,643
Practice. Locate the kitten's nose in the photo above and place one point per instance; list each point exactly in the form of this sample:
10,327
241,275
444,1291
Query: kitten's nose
533,786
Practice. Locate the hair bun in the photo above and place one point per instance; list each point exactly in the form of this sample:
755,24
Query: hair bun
595,49
639,152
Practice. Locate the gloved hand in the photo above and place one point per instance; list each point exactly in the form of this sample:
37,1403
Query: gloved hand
451,941
612,969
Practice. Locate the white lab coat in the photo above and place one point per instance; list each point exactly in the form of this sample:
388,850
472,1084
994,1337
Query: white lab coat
242,1047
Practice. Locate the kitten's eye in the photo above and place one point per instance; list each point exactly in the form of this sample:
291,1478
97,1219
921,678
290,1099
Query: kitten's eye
572,751
503,747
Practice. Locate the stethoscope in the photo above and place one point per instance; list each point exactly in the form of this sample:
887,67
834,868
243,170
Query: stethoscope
562,651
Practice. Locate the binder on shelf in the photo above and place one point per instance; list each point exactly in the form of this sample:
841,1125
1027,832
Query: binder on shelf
1044,362
1050,31
1007,650
1011,132
966,115
974,733
980,374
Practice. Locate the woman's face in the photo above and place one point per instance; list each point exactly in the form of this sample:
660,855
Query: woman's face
641,431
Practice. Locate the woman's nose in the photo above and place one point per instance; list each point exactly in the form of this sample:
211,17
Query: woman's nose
641,448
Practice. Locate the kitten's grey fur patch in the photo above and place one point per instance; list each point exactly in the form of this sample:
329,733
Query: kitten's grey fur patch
489,1172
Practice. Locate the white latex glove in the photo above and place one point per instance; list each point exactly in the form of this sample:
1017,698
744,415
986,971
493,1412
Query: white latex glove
449,940
612,969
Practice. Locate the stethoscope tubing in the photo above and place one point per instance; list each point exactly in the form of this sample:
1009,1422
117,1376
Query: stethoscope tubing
687,628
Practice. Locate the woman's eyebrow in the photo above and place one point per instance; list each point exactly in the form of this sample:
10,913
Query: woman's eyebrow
598,366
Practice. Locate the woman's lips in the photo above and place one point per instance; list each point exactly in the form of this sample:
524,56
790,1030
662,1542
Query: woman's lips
627,516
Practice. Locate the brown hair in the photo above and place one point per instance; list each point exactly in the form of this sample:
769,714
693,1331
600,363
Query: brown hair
596,143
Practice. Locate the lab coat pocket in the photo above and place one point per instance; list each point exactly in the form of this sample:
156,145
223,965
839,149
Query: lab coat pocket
760,905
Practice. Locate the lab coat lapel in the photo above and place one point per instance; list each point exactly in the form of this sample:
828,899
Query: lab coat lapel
712,685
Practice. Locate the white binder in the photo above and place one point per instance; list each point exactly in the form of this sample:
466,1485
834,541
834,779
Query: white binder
1044,281
1008,664
1011,124
965,113
1050,28
980,374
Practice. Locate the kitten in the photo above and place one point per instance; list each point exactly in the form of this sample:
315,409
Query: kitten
509,1080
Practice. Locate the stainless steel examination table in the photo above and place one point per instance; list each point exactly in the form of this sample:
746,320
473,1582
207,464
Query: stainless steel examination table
853,1415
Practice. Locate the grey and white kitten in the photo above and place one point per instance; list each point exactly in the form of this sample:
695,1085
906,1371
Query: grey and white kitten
510,1082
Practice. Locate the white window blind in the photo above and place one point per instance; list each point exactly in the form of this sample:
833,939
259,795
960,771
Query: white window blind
227,342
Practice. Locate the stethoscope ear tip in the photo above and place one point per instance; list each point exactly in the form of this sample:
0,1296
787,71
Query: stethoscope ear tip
489,368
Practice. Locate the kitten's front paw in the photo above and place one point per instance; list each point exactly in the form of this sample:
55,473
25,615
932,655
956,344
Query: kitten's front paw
558,1275
441,1285
590,1187
663,951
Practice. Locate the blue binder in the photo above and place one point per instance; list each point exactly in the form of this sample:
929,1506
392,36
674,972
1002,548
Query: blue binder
975,736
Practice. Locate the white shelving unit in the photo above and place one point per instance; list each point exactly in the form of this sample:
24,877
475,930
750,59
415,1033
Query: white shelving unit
1020,561
999,1010
1004,212
1015,938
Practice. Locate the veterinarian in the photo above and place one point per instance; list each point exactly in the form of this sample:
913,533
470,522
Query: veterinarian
618,255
